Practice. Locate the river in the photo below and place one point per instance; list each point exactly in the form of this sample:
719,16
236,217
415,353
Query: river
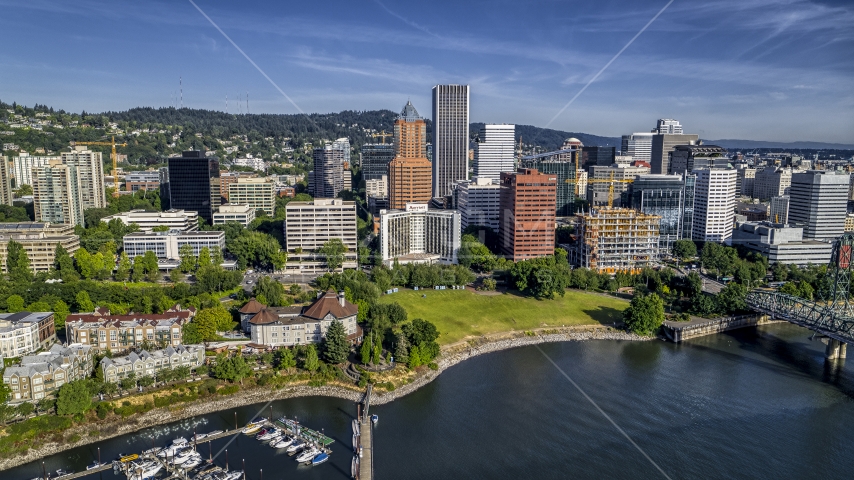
754,403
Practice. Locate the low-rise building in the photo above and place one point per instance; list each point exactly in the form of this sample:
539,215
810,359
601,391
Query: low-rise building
39,241
135,181
148,364
40,376
166,245
242,214
248,311
25,332
102,330
180,220
289,326
781,243
258,193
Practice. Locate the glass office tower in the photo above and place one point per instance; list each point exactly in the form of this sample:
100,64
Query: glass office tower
194,184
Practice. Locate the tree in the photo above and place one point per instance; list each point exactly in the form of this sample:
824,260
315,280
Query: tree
188,260
378,350
335,344
310,361
17,263
146,381
476,255
645,314
24,190
366,350
74,397
209,321
85,263
272,290
232,369
84,303
64,264
150,266
204,257
176,276
60,312
138,269
414,360
14,303
732,298
684,249
25,409
401,348
124,268
129,382
333,252
420,331
285,359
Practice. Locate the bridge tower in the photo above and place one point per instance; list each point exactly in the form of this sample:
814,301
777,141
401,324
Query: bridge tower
839,271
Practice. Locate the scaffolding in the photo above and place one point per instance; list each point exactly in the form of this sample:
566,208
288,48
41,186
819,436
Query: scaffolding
618,240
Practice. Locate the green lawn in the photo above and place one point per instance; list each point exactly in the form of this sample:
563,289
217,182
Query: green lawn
460,313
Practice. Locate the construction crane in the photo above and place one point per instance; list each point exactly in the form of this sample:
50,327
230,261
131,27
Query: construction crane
611,181
113,156
382,135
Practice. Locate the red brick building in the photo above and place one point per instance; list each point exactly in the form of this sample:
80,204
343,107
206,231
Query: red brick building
527,217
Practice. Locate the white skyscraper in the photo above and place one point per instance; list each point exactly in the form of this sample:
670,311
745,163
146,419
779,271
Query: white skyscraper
495,151
638,145
450,137
818,203
714,204
90,171
668,126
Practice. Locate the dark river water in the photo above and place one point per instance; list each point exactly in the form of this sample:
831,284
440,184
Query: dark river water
757,403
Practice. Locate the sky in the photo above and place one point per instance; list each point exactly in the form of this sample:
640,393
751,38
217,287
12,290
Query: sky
776,70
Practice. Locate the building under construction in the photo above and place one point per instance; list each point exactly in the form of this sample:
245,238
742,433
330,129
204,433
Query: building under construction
614,240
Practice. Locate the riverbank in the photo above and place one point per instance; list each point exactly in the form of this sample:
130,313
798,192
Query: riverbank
451,355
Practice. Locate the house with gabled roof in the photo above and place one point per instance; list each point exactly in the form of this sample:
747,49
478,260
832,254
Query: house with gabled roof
40,376
144,363
103,330
301,325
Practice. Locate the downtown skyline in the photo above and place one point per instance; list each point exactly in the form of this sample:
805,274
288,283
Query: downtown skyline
754,70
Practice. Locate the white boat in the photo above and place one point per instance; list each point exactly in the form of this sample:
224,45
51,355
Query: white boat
94,466
319,458
199,436
355,427
183,456
234,475
151,450
307,455
254,425
181,441
193,462
296,446
170,451
282,442
214,433
268,434
144,471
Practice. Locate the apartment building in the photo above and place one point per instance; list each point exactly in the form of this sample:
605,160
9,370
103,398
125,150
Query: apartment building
148,364
102,330
136,181
242,214
180,220
22,333
166,245
56,193
289,326
90,171
40,376
309,225
6,193
714,204
39,241
258,193
23,164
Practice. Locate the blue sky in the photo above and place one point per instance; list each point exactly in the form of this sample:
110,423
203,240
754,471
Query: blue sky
780,70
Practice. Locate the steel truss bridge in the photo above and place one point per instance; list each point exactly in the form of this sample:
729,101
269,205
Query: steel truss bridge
832,317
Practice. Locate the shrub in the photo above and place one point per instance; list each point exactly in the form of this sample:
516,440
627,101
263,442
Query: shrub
102,409
73,438
433,366
229,390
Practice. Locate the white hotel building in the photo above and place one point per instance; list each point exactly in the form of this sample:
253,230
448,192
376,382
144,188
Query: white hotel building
714,204
419,235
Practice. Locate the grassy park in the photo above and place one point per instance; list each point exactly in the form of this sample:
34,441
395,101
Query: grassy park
462,313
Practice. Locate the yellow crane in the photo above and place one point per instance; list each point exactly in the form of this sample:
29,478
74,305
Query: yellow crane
113,156
382,135
611,181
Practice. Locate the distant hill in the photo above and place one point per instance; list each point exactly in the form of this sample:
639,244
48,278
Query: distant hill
553,139
750,144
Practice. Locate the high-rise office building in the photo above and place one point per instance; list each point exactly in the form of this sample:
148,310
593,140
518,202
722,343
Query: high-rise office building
419,235
164,188
450,137
527,218
663,196
23,167
90,171
818,203
494,151
745,180
375,160
479,202
5,182
258,193
410,172
328,171
662,145
772,182
780,209
668,126
56,194
561,164
638,145
194,184
714,204
343,144
687,158
597,157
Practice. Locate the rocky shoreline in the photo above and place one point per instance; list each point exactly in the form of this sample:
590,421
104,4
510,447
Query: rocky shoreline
451,355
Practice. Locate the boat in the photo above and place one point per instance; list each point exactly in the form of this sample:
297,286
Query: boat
354,467
234,475
297,445
61,472
95,465
144,471
254,425
355,427
375,418
319,458
282,442
214,433
270,434
183,456
151,450
128,458
180,441
193,462
308,454
198,437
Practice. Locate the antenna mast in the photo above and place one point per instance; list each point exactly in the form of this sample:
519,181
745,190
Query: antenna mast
181,86
247,102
